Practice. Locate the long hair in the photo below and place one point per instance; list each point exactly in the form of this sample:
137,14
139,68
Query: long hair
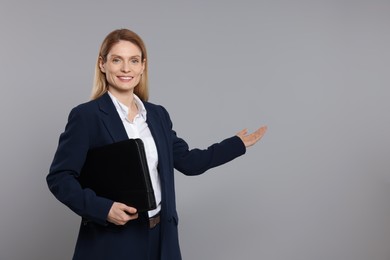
100,85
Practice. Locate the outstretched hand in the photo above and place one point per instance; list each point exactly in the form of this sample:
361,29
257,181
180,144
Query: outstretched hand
251,139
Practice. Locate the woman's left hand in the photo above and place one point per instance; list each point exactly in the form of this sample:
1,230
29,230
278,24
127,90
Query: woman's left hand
251,139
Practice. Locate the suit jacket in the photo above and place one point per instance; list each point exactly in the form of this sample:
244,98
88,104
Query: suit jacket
97,123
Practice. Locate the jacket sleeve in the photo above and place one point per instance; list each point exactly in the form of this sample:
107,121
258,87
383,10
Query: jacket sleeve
197,161
65,168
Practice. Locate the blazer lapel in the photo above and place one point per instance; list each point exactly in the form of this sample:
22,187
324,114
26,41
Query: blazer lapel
152,120
111,119
154,123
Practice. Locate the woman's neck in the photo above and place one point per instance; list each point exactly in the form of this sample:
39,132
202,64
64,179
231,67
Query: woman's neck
126,98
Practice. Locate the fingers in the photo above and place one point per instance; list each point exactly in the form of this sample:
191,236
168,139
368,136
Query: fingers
120,214
260,132
129,210
242,132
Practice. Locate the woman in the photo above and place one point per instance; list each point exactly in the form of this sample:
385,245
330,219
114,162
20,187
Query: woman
119,110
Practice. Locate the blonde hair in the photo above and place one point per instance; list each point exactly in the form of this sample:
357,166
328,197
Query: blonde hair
100,85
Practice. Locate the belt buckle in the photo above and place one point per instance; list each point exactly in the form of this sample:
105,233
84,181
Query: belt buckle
153,221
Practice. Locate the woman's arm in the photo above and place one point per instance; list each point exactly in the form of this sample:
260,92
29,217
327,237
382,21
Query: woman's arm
66,166
196,161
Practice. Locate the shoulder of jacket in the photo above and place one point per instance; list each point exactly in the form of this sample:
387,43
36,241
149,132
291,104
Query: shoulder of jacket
154,107
85,108
89,104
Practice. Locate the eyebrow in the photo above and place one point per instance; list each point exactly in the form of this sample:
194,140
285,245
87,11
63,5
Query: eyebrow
119,56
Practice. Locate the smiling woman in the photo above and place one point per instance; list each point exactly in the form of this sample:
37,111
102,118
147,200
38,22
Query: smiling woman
114,48
119,111
123,68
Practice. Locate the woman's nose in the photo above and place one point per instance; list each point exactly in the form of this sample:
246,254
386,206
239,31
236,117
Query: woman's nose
126,67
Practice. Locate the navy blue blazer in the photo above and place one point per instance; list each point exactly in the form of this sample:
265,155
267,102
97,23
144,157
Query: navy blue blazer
97,123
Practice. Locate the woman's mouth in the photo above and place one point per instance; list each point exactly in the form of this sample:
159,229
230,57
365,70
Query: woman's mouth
125,78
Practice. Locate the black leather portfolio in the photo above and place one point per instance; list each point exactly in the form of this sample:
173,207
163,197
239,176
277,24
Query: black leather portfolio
120,172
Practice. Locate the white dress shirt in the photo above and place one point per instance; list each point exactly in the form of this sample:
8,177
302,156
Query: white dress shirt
138,128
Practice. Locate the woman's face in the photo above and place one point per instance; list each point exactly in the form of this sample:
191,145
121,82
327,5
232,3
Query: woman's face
123,67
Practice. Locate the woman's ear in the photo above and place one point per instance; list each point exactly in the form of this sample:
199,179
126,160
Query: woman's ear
101,65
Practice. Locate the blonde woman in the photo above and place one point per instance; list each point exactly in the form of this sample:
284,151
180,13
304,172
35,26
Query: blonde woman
119,110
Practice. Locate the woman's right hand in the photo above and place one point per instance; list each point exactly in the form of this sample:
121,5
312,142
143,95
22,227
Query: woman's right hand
120,214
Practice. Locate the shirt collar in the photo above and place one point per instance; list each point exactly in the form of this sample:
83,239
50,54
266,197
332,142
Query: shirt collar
124,110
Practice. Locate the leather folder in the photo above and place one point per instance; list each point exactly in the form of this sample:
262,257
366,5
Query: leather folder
119,171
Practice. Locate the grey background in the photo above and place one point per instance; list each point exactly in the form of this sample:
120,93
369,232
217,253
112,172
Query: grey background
316,72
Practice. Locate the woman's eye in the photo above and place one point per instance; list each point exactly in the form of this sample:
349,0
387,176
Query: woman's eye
116,60
135,61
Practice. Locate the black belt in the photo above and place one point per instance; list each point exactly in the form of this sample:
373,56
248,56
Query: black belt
154,221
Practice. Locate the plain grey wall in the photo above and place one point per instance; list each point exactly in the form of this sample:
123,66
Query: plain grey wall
316,72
